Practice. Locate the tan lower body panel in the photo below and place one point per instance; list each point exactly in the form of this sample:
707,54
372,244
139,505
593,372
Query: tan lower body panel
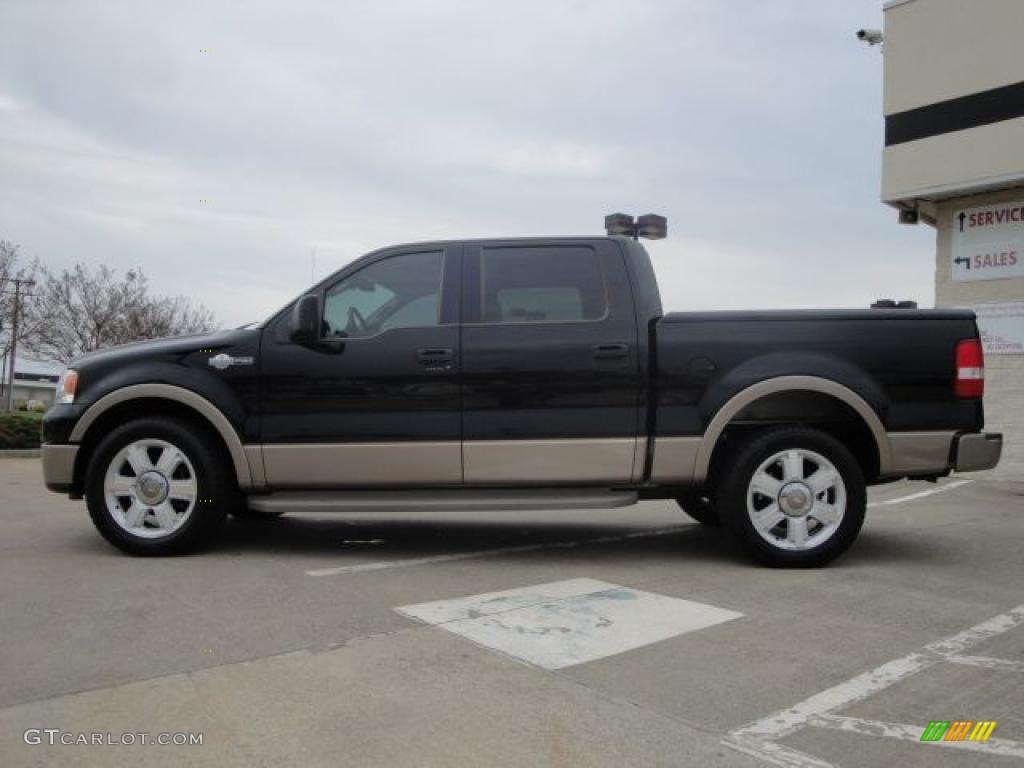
527,462
912,453
254,455
916,452
329,465
675,459
523,462
639,460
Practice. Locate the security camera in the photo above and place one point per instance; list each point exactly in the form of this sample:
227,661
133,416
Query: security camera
870,36
909,216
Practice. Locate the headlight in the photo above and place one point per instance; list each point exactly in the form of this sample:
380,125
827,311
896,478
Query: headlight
66,387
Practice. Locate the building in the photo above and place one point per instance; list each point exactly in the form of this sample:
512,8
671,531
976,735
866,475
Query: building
33,380
954,158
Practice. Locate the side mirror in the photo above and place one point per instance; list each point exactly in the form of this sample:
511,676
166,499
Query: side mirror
304,327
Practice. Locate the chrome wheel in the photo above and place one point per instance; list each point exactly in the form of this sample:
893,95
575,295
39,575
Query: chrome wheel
796,499
150,488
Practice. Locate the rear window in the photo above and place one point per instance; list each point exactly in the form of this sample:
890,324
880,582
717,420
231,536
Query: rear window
559,284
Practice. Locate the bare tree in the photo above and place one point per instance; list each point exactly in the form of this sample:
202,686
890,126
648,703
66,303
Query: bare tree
10,271
8,259
83,309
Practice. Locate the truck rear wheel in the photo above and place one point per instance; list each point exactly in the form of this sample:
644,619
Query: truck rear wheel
154,486
793,497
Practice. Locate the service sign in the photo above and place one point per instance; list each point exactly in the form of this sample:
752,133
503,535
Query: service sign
1001,327
987,242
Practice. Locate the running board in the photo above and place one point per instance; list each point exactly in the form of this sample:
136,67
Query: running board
441,500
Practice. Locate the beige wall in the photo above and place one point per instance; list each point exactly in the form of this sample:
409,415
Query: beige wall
936,50
937,167
940,49
1004,374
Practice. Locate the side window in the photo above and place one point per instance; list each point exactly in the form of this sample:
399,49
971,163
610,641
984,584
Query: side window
397,292
554,284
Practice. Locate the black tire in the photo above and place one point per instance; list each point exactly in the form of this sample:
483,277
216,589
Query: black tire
214,478
700,507
735,478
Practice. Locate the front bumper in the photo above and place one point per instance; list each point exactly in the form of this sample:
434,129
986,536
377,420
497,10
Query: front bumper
978,451
59,466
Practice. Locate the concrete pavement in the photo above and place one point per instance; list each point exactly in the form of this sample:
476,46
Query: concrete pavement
283,645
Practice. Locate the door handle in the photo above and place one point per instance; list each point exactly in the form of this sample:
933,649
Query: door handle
609,351
436,357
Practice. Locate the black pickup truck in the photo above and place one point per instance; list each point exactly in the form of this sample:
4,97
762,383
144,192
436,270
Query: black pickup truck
516,373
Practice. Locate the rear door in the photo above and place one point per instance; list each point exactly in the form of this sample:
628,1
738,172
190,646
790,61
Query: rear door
549,363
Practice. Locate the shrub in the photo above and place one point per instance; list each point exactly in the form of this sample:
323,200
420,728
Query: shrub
19,430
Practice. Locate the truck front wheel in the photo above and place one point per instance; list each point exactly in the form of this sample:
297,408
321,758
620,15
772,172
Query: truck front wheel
156,486
793,497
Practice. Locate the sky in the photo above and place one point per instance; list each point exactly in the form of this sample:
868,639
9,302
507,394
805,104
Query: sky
220,145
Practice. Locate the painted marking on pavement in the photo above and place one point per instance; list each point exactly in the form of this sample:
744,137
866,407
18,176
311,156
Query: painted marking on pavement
987,662
760,737
979,633
416,561
413,561
920,494
1005,747
565,623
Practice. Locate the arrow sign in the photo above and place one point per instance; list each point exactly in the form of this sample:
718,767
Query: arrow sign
962,216
962,259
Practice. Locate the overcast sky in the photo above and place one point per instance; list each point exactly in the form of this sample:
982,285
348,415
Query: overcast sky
343,126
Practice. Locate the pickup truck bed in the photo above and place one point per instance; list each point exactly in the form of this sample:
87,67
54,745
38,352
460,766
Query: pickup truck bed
893,367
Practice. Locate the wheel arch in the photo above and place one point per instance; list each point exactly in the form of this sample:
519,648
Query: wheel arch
763,392
157,400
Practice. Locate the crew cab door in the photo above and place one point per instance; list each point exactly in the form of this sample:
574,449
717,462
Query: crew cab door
550,364
375,401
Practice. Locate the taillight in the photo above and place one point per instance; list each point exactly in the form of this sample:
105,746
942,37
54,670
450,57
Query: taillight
970,369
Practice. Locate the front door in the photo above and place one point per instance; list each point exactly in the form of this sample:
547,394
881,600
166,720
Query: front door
376,401
550,364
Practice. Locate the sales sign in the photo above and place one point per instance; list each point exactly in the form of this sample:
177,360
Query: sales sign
987,242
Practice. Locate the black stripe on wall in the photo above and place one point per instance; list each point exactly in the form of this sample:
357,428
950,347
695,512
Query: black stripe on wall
959,114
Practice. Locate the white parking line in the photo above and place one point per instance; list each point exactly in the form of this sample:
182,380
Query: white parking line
413,561
987,662
992,746
920,494
380,565
760,738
